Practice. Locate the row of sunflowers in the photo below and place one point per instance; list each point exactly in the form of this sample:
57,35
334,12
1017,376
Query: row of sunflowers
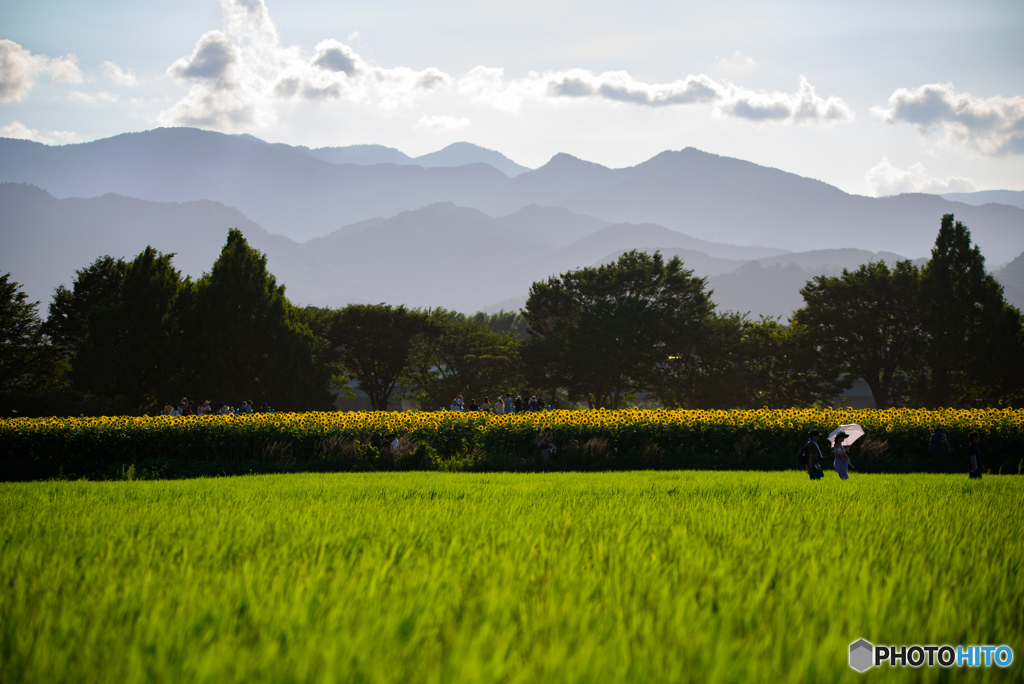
896,440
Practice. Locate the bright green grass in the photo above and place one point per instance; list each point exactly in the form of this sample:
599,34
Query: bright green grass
431,577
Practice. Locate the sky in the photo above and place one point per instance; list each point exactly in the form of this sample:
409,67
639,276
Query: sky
874,97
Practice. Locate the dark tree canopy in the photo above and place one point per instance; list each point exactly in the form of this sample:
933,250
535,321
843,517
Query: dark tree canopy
132,344
245,341
374,344
972,337
464,355
27,360
602,332
868,319
785,368
69,309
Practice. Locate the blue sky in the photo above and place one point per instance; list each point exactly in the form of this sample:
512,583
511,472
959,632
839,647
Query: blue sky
875,97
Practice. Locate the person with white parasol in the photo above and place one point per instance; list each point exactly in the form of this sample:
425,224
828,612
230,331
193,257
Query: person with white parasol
842,438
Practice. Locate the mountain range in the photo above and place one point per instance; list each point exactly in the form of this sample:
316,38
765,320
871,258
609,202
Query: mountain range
367,223
290,191
439,255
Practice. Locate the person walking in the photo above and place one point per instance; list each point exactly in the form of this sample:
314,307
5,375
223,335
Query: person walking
486,406
974,456
508,402
842,457
809,452
499,407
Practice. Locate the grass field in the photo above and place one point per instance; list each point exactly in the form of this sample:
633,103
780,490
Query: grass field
564,577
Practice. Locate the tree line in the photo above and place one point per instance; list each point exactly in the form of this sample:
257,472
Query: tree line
129,335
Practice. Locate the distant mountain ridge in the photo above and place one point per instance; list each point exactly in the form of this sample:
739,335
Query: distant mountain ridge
440,255
1013,198
456,154
289,192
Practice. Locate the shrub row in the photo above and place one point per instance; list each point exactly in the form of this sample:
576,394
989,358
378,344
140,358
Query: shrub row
162,446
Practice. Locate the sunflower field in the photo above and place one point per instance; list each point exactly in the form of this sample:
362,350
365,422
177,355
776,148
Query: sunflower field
896,440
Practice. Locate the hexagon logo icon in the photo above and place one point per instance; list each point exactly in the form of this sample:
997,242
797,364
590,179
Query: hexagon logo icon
861,653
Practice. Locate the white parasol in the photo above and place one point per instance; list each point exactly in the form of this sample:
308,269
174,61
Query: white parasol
853,433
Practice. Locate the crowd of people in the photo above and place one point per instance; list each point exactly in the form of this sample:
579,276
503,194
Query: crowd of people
187,407
501,406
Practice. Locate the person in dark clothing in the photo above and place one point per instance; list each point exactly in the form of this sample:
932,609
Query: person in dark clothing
974,456
518,404
812,451
938,443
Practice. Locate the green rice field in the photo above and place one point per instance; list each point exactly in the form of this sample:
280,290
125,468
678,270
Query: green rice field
560,577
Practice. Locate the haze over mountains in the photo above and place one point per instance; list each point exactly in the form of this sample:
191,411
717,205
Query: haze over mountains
288,191
369,224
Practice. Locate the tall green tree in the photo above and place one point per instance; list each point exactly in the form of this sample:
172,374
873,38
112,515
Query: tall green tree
68,319
374,344
602,333
463,355
27,360
868,320
132,343
972,349
246,341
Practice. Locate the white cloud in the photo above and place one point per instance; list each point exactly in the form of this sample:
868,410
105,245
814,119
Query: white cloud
22,132
802,107
96,98
19,69
737,63
240,77
441,123
993,126
885,179
119,76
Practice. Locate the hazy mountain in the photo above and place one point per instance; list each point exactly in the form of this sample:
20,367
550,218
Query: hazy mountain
557,225
44,239
1011,277
456,154
1014,198
440,255
463,153
514,281
283,189
730,200
362,155
717,199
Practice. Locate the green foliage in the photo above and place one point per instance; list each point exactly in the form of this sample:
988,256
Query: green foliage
134,344
601,332
67,324
375,343
27,360
702,578
465,356
869,321
785,369
250,342
974,347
